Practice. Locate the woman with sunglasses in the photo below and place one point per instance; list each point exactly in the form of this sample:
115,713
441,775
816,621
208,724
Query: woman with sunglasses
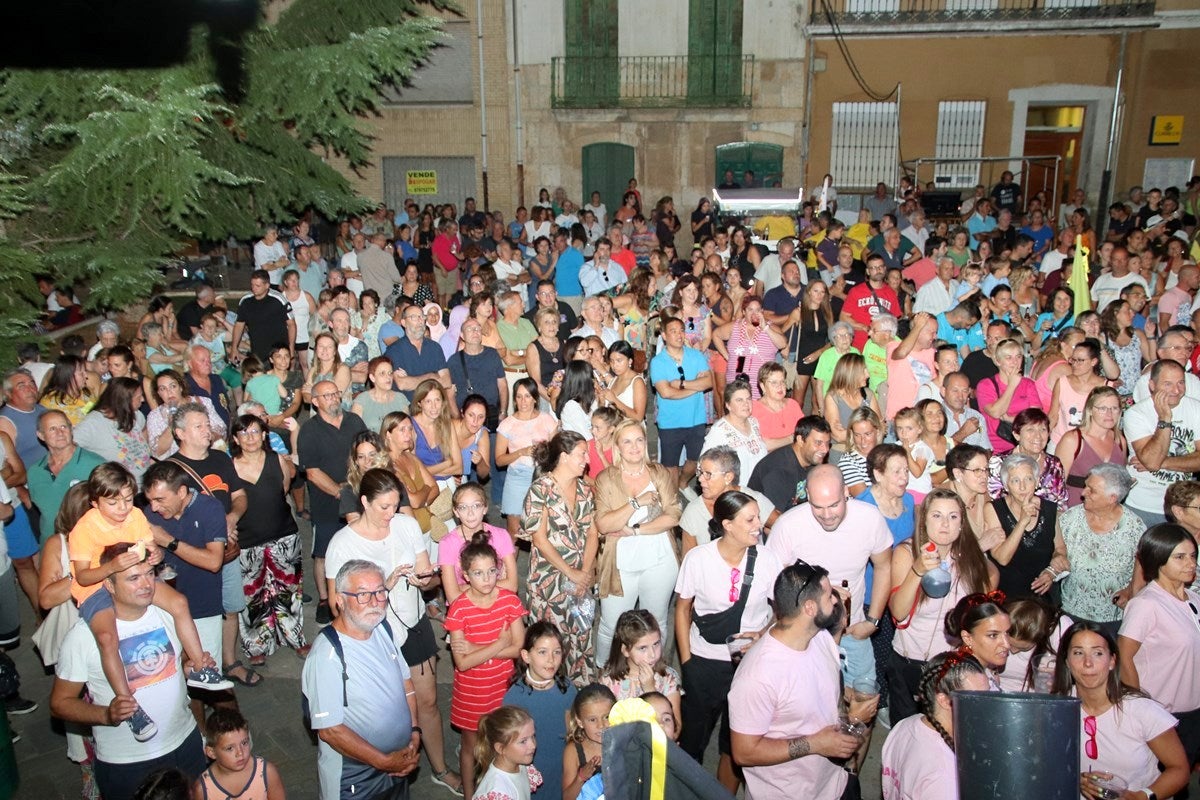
920,619
1159,642
918,755
395,543
1124,733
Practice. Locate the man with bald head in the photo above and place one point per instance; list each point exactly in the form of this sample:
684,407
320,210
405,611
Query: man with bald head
322,445
844,536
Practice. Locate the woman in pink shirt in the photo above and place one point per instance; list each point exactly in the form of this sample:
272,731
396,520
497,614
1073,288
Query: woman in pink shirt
1006,394
918,755
777,414
1123,732
1159,641
748,343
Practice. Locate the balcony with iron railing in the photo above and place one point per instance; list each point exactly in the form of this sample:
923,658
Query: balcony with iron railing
651,81
883,17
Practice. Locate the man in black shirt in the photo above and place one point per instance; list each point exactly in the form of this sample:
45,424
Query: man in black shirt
979,365
323,443
477,369
783,475
188,318
267,316
547,297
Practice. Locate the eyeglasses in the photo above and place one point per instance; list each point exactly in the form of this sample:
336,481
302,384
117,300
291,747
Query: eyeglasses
363,598
735,576
327,395
249,432
1078,360
975,469
1089,744
470,507
708,473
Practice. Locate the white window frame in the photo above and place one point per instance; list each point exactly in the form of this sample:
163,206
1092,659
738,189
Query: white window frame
960,127
865,143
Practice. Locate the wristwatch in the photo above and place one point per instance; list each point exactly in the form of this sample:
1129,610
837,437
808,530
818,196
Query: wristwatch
173,545
1162,426
637,529
633,503
1150,795
873,620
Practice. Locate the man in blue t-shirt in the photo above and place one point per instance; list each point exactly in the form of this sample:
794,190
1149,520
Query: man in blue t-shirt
566,269
680,376
360,694
960,327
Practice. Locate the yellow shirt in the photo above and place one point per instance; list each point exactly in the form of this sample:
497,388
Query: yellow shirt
812,243
860,232
775,227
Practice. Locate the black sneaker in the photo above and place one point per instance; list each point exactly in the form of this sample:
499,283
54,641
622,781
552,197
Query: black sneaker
305,598
16,737
143,727
324,615
208,678
19,705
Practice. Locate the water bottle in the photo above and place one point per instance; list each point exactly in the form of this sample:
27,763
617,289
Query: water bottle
936,582
580,610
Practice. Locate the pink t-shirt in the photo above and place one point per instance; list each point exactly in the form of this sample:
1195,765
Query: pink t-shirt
784,693
1012,679
905,377
1026,396
920,272
1169,657
925,634
704,578
1121,737
917,764
521,433
453,543
1170,302
844,552
776,424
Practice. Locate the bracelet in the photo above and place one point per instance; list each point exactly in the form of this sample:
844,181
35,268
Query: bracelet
1052,571
417,730
914,571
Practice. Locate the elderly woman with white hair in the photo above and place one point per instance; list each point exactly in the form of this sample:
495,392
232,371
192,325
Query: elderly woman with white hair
108,336
841,338
1033,553
1101,537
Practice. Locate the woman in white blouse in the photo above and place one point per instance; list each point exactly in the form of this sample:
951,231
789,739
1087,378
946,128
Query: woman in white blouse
737,429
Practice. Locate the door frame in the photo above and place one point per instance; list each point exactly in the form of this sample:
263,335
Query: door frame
1098,102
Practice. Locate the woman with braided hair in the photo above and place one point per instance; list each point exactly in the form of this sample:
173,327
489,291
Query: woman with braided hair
981,624
918,755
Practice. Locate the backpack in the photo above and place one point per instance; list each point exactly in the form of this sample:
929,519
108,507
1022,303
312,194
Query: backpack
335,641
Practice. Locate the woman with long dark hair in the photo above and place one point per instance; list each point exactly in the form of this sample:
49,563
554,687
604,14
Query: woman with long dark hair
577,400
1124,733
115,429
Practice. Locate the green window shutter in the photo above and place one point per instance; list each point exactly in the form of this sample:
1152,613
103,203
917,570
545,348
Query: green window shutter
714,49
591,71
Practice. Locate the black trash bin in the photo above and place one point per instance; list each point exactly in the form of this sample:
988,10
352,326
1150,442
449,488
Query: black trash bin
1016,746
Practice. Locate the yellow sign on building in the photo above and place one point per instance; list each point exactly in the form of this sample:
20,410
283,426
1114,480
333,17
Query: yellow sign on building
1166,129
421,181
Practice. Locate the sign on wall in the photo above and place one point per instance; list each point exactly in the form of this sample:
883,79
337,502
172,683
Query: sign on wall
423,181
1166,129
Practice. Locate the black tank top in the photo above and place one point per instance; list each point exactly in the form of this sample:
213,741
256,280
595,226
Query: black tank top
268,517
550,360
1033,553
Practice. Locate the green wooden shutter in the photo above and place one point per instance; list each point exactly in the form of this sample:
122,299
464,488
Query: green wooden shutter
714,51
607,168
592,75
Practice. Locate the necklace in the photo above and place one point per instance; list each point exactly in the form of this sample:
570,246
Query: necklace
535,683
637,474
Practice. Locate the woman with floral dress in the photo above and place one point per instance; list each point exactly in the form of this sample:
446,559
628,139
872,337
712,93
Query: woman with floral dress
560,522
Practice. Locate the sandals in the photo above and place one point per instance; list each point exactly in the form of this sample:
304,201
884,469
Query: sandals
257,661
439,779
251,680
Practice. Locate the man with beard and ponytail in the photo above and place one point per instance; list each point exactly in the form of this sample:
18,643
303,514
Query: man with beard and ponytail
783,706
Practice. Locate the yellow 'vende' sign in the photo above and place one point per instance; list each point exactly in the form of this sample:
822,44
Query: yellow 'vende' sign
421,181
1166,129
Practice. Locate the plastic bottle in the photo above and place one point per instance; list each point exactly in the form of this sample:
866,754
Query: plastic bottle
936,582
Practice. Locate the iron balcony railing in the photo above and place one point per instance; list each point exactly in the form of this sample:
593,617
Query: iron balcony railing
891,12
651,81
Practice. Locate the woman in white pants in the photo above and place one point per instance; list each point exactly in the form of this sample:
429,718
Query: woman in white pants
637,506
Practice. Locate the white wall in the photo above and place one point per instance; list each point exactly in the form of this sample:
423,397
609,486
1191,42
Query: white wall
652,27
772,29
540,29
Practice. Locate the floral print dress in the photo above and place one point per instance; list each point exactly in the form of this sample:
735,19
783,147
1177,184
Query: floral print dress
567,530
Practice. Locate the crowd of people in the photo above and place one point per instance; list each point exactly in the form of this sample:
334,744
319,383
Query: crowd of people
893,460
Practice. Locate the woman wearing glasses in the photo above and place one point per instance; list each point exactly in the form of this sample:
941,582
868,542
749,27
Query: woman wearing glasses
271,555
1159,641
921,619
1097,440
967,466
841,339
1033,552
1070,393
637,508
1124,733
395,543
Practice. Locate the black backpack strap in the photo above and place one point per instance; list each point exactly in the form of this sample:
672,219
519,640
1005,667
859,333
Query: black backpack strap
330,633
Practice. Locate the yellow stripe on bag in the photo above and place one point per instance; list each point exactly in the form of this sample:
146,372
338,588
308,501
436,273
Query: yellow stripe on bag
635,709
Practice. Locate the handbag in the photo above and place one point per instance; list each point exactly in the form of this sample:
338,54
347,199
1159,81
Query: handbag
49,635
232,549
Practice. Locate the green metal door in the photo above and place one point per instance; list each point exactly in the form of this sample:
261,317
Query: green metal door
607,168
592,75
765,159
714,51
